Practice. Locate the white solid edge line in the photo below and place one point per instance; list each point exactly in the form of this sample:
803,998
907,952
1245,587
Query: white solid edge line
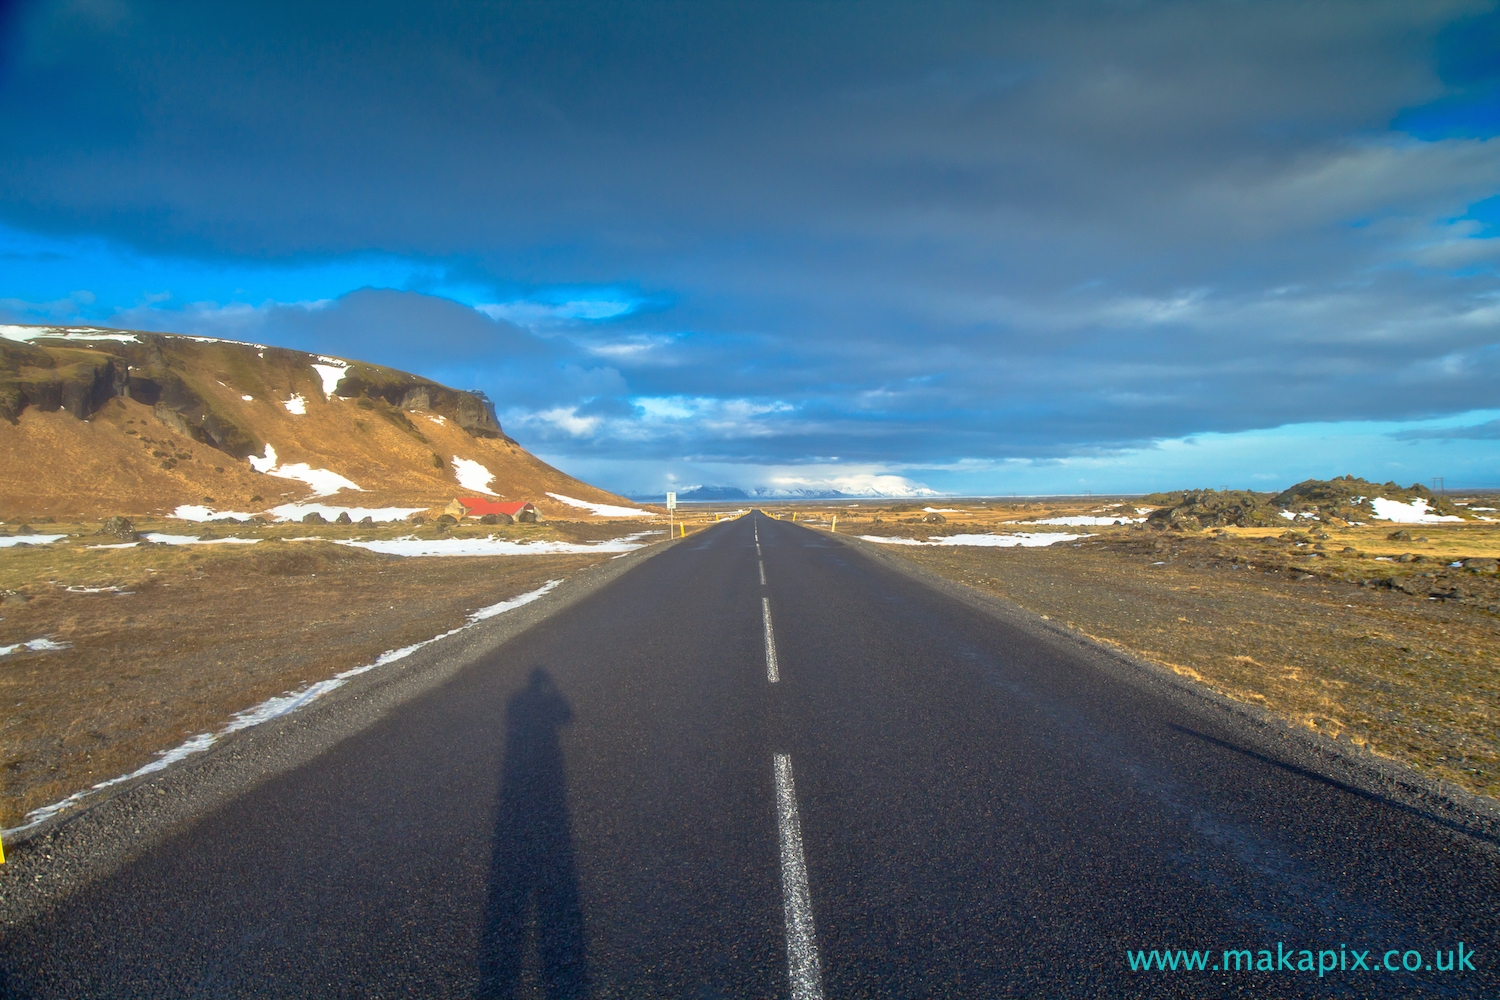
762,572
772,674
803,964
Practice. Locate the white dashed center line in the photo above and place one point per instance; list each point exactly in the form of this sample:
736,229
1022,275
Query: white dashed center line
762,572
801,937
772,674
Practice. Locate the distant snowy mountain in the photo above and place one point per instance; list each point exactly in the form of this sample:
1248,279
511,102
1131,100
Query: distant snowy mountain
722,493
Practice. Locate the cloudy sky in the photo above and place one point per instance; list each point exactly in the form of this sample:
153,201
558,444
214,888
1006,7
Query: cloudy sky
978,248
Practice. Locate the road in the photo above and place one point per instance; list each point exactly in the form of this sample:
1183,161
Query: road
927,800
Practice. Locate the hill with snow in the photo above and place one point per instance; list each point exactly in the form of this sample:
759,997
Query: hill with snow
100,421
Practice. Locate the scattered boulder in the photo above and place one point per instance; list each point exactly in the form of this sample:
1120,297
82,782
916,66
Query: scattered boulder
418,521
934,519
1193,510
121,528
1399,536
343,518
1406,557
314,518
1482,565
447,520
497,519
366,521
14,598
207,535
526,516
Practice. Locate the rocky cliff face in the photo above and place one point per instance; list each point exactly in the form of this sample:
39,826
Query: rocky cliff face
73,372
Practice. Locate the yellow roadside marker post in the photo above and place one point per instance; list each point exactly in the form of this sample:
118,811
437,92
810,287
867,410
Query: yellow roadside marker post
2,850
835,525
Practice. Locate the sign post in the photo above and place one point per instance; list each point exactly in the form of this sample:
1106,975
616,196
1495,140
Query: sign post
671,518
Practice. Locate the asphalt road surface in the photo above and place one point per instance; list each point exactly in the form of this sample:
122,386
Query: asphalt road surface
834,783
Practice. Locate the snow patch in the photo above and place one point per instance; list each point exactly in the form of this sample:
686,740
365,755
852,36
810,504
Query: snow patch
932,510
473,476
331,371
42,645
1086,520
164,539
1023,539
248,399
26,334
265,464
1416,512
273,708
437,419
29,540
488,546
322,481
602,509
297,404
297,511
196,512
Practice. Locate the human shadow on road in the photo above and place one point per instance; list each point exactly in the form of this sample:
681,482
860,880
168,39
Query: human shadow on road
533,892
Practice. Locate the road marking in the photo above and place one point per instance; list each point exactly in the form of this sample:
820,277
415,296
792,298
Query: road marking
757,550
772,674
762,572
801,937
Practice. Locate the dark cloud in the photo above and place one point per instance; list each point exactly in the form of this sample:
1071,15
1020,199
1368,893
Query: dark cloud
887,232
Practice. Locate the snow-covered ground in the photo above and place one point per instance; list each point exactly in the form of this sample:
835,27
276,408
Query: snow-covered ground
322,481
199,513
602,509
273,708
930,510
164,539
490,546
26,335
1086,520
1022,539
29,540
297,404
1416,512
473,476
297,511
331,371
42,645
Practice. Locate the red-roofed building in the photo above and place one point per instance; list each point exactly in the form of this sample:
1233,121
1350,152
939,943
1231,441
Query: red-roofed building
480,506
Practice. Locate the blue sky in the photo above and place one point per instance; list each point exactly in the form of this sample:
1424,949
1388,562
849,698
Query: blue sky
973,248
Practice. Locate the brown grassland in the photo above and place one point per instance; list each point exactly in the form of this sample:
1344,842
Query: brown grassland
168,641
